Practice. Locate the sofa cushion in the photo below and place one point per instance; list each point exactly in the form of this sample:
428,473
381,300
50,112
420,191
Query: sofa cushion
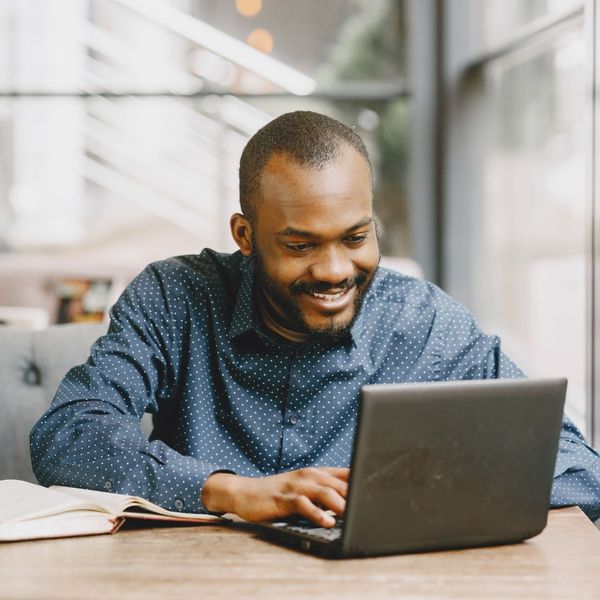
32,363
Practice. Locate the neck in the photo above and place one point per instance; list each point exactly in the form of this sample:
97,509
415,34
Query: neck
272,321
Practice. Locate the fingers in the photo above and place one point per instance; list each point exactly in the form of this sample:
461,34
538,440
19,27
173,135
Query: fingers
315,492
340,487
325,477
342,473
328,499
303,506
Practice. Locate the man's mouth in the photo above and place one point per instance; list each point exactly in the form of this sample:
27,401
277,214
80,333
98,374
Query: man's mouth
331,301
331,296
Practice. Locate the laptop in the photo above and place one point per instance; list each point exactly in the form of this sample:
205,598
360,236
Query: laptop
443,465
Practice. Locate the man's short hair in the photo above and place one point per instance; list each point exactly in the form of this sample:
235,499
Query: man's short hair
311,139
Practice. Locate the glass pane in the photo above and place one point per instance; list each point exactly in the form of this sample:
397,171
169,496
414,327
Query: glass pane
530,259
189,46
103,184
494,22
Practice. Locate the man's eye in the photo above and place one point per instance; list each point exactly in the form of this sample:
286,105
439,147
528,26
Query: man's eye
356,239
299,247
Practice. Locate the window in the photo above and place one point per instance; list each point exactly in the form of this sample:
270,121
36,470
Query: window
518,206
529,272
123,120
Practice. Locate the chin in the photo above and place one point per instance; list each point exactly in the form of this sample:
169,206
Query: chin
326,322
329,329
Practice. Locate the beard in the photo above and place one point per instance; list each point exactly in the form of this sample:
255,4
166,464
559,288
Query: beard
286,300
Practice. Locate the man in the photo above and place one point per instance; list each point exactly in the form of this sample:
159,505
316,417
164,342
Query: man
252,363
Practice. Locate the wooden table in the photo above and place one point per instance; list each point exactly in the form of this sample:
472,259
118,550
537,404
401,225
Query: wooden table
211,562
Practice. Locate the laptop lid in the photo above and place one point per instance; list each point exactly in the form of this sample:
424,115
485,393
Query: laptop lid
452,464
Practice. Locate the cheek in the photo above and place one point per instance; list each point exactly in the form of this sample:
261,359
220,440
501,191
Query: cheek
282,271
368,259
286,274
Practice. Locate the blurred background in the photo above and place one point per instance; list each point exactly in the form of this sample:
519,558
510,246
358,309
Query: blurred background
122,123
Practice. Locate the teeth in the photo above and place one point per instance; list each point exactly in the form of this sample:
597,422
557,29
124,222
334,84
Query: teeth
330,297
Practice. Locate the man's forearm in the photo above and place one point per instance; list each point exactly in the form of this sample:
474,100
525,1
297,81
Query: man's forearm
79,444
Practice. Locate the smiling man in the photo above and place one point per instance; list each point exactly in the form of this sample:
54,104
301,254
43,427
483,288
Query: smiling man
252,363
310,229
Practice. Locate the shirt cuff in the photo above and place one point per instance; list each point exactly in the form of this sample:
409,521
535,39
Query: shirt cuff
181,487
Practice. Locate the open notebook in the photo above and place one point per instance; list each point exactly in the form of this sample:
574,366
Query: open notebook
29,511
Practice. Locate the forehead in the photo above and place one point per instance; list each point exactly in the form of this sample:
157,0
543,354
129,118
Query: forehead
335,195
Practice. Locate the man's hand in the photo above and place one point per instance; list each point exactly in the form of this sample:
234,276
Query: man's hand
308,492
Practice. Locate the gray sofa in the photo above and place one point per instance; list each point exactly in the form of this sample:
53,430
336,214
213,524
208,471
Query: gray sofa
32,363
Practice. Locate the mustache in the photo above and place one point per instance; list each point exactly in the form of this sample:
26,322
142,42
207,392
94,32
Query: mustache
320,287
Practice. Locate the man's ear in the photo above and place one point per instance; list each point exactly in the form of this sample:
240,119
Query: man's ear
241,230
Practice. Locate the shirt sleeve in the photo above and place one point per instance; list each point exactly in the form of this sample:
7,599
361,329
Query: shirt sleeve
468,353
91,437
577,473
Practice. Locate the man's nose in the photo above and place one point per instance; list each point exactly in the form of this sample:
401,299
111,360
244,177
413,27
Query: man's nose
332,265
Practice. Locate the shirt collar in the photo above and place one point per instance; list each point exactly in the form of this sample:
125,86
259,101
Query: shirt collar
245,315
362,319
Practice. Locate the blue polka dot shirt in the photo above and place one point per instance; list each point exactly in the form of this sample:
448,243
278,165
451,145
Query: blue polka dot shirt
186,343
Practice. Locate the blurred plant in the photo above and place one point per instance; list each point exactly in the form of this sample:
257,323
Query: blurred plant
370,45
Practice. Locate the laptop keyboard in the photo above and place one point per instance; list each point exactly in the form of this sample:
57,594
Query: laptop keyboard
305,527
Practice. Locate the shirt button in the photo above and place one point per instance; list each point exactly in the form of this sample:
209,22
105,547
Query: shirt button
178,504
294,419
107,485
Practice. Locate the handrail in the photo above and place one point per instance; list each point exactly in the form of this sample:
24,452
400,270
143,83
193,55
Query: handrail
224,45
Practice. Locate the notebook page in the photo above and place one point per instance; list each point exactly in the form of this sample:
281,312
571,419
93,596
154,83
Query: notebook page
112,503
21,500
